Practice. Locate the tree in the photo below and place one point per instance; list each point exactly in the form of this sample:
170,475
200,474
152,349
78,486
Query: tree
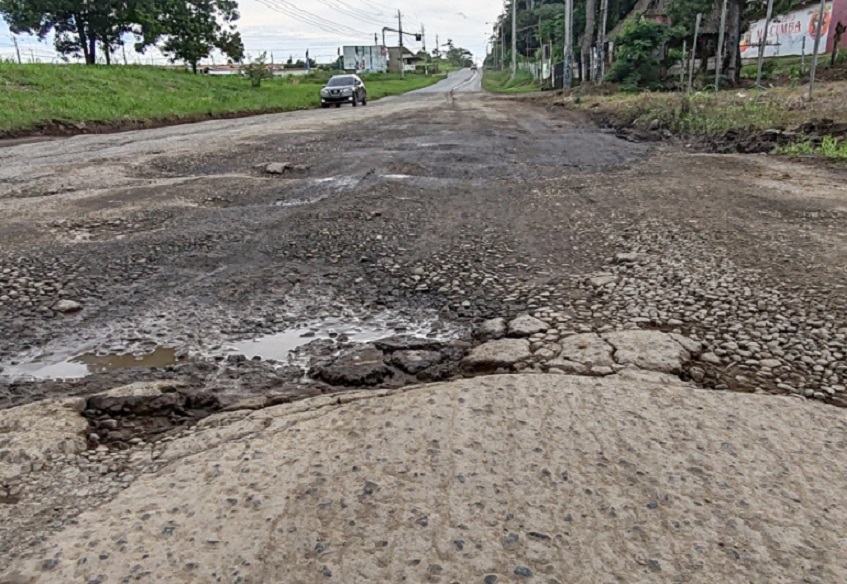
192,29
457,56
77,26
588,38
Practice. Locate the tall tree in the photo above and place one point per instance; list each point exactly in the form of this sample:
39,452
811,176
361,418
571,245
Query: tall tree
588,37
191,29
77,26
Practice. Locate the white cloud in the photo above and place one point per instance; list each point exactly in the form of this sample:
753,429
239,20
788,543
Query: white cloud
329,24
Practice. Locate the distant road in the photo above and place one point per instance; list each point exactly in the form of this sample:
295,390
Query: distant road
464,81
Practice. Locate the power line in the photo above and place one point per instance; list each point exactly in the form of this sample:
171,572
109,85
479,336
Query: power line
348,10
306,17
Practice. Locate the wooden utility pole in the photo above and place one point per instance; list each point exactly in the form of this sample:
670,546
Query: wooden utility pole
568,68
815,50
719,53
514,38
502,47
17,49
601,42
764,43
400,31
694,51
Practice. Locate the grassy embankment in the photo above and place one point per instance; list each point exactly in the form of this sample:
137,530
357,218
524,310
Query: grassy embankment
36,97
744,111
502,82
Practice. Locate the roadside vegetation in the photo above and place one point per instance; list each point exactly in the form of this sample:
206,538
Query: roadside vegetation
780,119
48,98
710,112
830,147
502,82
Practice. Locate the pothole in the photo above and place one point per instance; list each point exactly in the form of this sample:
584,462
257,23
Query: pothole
84,364
290,345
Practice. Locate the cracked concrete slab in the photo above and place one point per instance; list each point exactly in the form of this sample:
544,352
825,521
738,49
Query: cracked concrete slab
651,350
587,348
549,477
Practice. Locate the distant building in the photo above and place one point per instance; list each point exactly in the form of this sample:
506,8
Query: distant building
401,59
278,69
366,59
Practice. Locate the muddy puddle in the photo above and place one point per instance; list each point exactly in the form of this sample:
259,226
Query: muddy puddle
286,346
79,366
70,361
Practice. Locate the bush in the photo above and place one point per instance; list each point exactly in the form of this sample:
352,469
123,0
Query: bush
257,70
638,62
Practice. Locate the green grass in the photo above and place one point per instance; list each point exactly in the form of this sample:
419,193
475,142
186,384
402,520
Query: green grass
830,147
32,96
502,82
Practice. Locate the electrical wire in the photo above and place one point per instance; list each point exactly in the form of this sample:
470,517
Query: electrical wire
289,9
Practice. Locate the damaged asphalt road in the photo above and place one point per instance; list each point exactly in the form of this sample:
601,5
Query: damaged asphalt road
426,214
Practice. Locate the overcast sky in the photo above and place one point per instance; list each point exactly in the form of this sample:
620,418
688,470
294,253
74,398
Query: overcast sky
287,28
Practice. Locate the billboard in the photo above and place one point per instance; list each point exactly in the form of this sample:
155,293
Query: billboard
366,58
788,33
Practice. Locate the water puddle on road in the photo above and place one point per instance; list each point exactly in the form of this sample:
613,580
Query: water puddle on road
281,346
329,186
88,363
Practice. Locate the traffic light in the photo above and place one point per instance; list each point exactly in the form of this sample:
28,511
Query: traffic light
418,37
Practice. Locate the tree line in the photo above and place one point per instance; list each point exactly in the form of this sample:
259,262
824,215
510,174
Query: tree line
541,22
186,30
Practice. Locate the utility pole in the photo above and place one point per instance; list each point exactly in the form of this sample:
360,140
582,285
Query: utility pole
514,38
17,49
694,50
719,54
815,50
400,31
376,39
601,43
764,43
423,48
568,44
123,50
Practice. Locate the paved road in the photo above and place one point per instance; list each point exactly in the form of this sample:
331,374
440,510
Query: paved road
52,165
465,81
429,213
531,478
425,212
